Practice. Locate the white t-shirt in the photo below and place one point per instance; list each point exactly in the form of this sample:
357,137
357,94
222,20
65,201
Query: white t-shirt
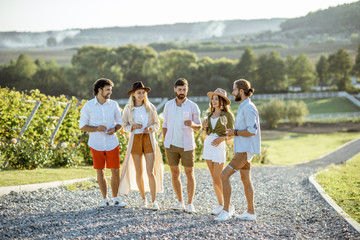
141,117
213,122
178,133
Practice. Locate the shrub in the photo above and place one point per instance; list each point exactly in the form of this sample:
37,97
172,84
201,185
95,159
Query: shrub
272,112
296,111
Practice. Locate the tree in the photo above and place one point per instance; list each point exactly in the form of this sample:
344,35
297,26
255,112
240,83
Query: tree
322,70
301,73
271,73
246,68
173,64
25,66
51,42
340,67
356,67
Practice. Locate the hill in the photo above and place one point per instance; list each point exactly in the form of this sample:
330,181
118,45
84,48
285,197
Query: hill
341,21
140,35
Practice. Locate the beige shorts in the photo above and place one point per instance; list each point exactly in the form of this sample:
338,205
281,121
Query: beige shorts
174,154
240,162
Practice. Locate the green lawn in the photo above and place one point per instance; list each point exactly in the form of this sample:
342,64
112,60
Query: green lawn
288,149
297,148
342,184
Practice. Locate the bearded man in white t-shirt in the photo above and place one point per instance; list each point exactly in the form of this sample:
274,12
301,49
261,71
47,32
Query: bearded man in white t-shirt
181,118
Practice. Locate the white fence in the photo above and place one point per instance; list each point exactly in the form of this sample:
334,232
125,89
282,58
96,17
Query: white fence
332,116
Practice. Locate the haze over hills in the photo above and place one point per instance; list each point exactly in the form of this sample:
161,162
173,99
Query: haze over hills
139,34
337,23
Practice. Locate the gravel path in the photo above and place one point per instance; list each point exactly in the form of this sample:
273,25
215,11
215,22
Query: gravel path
288,207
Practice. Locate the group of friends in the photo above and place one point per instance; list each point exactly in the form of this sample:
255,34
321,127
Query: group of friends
143,166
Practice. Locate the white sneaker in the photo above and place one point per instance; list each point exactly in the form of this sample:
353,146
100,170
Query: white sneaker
246,216
190,208
231,210
178,206
217,210
105,203
143,203
117,202
155,206
223,216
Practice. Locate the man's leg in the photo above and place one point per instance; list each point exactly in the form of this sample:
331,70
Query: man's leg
249,190
189,172
239,160
226,185
115,181
102,182
176,182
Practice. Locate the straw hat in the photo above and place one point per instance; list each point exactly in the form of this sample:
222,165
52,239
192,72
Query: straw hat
138,85
220,92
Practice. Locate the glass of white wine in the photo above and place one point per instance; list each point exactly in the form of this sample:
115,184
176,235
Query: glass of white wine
186,116
223,121
204,114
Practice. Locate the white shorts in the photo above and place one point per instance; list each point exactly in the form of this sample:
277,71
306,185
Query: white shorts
215,154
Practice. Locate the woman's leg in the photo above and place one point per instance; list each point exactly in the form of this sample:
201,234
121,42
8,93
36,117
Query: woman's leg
139,170
215,171
150,159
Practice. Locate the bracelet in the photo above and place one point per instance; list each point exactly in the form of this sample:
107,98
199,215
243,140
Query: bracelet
235,132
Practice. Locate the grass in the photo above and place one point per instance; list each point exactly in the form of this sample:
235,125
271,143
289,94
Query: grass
288,149
21,177
297,148
342,184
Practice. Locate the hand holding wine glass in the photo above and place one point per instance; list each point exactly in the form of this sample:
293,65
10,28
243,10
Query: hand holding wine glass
186,118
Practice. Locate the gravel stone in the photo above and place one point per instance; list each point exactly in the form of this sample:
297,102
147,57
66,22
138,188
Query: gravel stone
287,207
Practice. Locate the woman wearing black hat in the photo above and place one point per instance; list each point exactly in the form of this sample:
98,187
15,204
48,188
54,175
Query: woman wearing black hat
140,119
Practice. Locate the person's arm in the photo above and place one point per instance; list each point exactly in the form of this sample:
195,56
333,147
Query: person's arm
251,123
85,119
164,131
195,123
88,128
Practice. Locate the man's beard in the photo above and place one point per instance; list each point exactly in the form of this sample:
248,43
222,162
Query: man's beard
238,98
105,96
180,96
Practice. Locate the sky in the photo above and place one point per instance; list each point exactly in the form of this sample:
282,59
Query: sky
51,15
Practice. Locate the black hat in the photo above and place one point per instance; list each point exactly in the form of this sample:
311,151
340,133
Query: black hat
138,85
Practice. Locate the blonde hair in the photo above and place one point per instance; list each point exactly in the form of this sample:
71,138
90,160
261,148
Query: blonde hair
146,102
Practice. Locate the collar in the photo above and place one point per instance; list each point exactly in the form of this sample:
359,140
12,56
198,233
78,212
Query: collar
245,102
184,103
97,102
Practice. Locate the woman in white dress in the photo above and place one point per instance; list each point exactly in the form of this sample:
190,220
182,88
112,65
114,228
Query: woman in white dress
140,119
219,118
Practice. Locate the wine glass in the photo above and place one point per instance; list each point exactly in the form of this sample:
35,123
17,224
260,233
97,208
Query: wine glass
204,114
223,121
186,116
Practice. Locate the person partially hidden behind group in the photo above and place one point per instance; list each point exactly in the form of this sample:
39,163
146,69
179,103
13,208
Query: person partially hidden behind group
140,119
218,118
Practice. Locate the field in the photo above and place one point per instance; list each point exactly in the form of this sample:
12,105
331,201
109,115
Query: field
64,55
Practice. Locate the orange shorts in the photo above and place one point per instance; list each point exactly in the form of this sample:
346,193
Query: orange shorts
111,158
141,144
